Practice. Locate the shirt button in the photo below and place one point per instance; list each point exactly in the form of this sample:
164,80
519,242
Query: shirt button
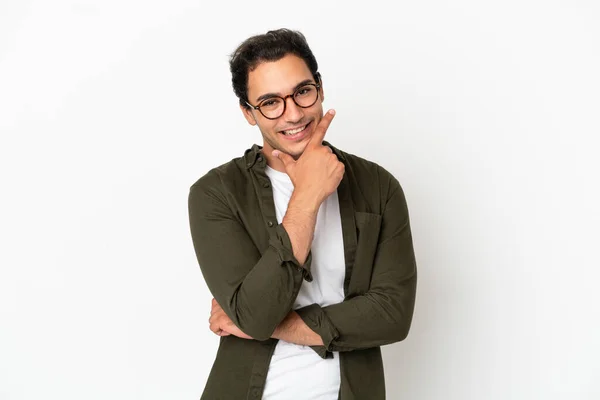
270,223
259,159
266,185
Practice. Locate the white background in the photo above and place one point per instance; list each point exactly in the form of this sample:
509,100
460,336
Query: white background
487,113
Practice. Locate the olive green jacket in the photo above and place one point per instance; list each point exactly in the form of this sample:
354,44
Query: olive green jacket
247,260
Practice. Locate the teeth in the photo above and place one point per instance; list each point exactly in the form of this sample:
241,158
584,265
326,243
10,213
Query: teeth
294,131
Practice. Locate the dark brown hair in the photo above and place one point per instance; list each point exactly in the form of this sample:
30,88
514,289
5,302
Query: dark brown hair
271,46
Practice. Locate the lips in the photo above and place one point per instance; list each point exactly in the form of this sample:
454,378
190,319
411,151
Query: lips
298,136
293,131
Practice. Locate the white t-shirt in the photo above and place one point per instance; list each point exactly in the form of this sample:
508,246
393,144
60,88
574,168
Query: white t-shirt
296,372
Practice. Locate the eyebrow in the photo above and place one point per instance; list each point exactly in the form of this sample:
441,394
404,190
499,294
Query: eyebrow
268,95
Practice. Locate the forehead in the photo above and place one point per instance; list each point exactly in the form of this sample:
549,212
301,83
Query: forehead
279,76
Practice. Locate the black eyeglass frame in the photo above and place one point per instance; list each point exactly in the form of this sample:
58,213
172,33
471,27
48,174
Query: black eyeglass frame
316,85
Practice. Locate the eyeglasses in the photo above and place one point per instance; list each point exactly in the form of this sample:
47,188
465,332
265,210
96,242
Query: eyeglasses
274,107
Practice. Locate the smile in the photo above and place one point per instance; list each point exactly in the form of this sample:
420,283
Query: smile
295,133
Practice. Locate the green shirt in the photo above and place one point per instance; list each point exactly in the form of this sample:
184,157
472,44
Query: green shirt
247,260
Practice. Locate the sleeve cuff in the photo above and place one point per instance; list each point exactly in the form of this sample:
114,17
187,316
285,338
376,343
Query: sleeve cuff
317,320
280,241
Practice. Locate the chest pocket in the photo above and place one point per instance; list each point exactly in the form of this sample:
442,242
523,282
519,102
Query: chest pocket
368,226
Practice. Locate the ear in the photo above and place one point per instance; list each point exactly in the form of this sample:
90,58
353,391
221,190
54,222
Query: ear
248,115
322,90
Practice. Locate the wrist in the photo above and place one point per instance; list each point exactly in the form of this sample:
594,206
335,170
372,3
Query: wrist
293,330
305,202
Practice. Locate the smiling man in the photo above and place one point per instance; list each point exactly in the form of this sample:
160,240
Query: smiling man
306,249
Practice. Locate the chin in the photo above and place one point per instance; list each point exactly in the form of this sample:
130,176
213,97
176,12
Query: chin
296,150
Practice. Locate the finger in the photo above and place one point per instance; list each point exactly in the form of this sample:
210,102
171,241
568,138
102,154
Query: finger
220,332
214,328
321,130
285,158
216,314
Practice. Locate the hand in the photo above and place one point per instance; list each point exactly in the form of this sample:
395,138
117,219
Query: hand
317,173
222,325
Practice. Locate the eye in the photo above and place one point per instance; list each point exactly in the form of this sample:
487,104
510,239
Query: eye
304,91
270,103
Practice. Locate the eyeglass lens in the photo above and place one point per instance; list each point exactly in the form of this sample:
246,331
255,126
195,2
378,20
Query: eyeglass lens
304,96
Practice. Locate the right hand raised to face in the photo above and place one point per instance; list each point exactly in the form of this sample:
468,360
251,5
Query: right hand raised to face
317,173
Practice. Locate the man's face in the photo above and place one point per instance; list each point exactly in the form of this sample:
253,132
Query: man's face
282,78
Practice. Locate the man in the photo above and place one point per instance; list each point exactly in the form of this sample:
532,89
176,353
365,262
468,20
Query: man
306,249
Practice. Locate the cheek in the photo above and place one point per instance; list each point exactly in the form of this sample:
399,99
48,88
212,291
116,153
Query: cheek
272,128
318,112
268,128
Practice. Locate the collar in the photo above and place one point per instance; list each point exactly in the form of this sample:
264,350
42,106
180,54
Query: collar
254,155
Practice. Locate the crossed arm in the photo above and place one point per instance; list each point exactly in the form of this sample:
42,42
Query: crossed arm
292,329
254,292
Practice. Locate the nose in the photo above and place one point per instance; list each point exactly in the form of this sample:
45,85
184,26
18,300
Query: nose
293,113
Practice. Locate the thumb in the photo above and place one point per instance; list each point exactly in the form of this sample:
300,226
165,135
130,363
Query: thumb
285,158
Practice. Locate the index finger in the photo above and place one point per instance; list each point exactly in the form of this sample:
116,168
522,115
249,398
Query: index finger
319,134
